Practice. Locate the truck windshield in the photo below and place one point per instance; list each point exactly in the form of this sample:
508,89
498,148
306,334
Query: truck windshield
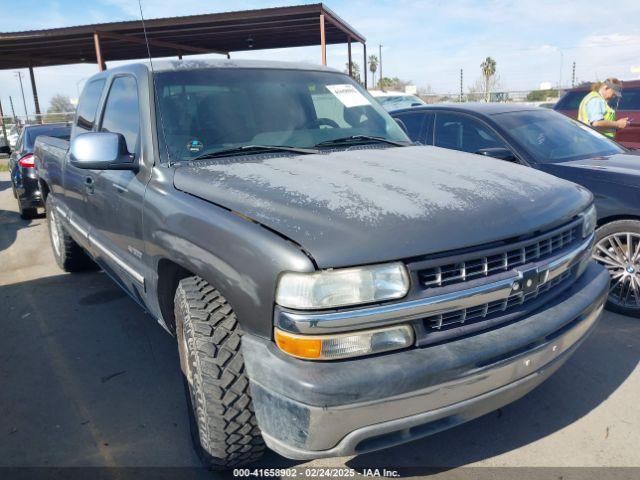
209,110
550,137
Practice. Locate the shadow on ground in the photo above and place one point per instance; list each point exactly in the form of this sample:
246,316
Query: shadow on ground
93,381
4,185
10,223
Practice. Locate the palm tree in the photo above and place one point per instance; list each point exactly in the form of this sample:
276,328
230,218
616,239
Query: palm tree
488,71
373,66
355,71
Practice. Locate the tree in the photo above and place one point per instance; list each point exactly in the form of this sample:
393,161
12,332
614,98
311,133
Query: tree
541,95
488,71
478,91
60,104
373,66
386,83
355,69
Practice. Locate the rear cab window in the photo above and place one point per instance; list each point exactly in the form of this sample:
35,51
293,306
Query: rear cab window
570,100
630,99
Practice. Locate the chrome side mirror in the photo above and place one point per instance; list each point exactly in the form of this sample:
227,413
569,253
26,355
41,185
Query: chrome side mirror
101,151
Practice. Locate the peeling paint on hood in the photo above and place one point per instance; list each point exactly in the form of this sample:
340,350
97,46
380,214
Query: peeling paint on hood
368,205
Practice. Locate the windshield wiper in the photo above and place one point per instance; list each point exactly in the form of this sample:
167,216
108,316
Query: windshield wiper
248,149
360,139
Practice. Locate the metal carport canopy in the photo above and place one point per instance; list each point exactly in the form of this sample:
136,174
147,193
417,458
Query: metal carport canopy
279,27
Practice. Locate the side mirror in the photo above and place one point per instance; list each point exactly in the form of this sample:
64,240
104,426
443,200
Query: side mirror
500,153
101,151
416,104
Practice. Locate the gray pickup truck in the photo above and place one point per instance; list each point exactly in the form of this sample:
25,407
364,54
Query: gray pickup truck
333,288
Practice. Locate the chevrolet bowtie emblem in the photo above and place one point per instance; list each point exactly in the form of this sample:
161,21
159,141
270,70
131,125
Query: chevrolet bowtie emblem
530,280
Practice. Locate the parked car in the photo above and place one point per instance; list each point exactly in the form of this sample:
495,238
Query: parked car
333,288
550,142
627,106
4,145
394,100
24,178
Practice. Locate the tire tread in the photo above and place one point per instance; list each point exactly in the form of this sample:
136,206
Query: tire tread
227,428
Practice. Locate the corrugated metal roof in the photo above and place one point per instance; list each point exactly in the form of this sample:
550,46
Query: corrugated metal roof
278,27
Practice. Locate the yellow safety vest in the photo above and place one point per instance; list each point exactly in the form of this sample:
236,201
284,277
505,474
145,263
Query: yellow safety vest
609,113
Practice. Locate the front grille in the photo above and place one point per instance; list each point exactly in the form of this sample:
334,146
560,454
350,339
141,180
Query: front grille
536,249
480,312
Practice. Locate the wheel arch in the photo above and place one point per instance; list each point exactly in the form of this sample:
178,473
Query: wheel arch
169,275
614,218
44,189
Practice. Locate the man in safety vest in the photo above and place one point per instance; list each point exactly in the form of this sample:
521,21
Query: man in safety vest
596,112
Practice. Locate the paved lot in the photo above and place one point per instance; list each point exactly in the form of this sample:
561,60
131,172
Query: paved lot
87,379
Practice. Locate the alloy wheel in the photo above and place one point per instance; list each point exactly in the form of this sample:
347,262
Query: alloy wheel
619,253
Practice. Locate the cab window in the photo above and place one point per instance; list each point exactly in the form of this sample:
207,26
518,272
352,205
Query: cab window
121,112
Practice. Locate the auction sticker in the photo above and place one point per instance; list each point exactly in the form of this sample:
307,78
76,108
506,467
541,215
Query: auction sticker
348,95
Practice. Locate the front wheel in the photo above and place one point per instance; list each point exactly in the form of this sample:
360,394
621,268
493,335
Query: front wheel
223,424
618,250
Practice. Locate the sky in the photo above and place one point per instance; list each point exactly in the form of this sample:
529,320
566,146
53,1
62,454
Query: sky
426,42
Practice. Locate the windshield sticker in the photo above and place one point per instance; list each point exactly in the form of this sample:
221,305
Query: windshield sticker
195,146
348,95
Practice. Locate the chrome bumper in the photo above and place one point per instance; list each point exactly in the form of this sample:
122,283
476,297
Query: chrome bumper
313,409
370,317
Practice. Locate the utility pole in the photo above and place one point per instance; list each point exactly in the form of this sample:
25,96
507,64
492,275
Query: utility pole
4,130
461,76
573,75
24,102
13,110
34,90
380,61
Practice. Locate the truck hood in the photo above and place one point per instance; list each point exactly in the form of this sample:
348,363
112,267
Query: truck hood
363,206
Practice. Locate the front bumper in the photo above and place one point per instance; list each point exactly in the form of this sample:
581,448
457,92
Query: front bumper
324,409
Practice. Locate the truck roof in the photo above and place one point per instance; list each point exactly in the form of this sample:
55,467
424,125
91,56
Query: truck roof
195,64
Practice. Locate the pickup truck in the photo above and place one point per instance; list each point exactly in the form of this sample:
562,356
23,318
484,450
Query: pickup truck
333,288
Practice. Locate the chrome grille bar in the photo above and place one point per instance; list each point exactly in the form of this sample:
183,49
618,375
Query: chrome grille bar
367,317
534,250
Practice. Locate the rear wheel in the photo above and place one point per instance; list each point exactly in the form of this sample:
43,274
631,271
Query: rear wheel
25,212
618,250
223,423
69,256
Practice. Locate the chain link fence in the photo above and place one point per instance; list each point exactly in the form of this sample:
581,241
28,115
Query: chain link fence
529,97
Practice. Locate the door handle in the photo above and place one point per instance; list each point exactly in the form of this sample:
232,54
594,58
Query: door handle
89,185
119,188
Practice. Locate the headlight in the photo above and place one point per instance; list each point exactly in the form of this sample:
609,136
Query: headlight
589,221
344,345
342,287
